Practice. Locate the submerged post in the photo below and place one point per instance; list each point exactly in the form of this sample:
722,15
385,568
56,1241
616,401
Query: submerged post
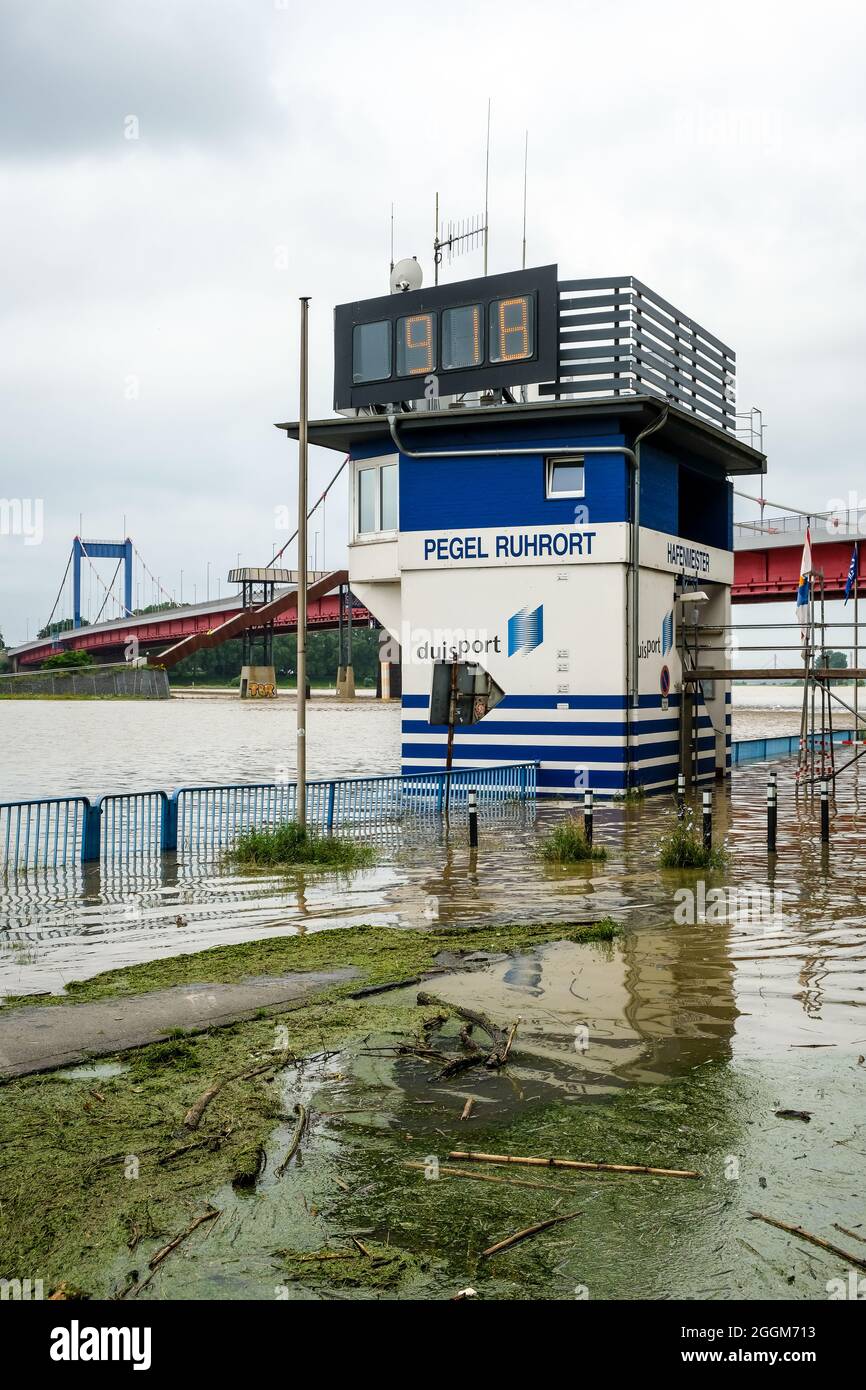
587,815
473,818
825,811
681,795
771,812
708,820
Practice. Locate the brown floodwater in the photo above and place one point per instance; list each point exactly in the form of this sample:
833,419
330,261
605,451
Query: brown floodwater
729,996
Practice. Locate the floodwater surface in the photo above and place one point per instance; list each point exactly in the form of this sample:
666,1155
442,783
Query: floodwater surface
729,998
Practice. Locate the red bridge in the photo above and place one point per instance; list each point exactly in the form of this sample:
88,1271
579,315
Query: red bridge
768,554
168,636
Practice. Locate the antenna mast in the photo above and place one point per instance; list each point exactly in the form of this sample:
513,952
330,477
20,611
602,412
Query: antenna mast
486,186
525,168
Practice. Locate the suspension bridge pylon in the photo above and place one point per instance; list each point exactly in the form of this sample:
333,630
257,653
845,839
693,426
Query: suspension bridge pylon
100,550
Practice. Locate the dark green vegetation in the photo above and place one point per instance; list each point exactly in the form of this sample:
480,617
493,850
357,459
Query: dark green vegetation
383,953
683,848
290,844
92,1168
221,665
566,843
74,659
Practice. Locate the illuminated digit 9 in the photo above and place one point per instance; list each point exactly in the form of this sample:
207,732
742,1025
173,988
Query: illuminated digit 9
424,343
507,351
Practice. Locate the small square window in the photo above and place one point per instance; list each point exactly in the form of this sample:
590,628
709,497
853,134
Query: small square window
565,478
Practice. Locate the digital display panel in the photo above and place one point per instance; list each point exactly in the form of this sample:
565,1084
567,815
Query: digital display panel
462,337
512,328
371,352
416,344
496,332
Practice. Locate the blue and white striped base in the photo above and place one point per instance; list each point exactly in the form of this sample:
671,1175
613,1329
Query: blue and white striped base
579,740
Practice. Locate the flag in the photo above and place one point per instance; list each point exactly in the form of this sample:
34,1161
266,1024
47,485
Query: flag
852,574
805,585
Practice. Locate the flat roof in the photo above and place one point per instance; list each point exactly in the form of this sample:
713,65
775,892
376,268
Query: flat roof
682,427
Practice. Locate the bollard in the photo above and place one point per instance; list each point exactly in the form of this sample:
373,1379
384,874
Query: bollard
587,816
771,813
825,812
708,820
681,795
473,818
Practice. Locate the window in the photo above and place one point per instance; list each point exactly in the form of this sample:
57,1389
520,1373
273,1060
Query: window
416,345
564,477
462,337
371,352
388,497
377,498
367,480
512,328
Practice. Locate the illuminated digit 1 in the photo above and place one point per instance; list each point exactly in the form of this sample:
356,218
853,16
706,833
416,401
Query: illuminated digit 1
505,329
426,342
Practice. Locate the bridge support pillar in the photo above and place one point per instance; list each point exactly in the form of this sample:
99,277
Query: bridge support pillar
258,682
345,682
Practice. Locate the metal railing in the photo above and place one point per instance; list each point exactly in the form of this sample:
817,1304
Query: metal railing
616,336
203,820
751,750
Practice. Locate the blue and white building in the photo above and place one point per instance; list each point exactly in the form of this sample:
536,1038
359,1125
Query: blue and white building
561,514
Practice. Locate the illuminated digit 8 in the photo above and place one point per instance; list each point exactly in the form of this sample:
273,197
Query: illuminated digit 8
423,344
507,330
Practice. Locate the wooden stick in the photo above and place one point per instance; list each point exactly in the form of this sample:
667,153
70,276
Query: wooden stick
166,1250
514,1027
852,1234
527,1232
192,1118
467,1109
153,1264
489,1177
296,1138
574,1163
822,1244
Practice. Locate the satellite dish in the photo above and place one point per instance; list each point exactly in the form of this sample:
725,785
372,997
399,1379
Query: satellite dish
406,275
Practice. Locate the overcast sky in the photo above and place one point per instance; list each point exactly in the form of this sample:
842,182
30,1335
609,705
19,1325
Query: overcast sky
150,284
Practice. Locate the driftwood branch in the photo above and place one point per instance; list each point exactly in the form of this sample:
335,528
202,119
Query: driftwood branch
193,1117
296,1139
210,1214
822,1244
583,1167
527,1232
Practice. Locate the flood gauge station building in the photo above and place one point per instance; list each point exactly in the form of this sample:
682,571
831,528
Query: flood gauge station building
541,484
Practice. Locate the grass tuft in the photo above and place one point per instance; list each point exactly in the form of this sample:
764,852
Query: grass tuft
566,843
291,844
684,848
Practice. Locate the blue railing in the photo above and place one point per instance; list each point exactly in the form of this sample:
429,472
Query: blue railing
203,820
751,750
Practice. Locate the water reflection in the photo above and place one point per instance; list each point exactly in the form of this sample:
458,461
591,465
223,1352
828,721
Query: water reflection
790,976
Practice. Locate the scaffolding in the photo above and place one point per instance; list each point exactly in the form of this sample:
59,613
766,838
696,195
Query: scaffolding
828,690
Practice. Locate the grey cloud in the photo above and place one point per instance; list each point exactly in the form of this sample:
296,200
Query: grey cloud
72,71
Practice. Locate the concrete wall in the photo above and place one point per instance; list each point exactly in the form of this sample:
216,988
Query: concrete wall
139,682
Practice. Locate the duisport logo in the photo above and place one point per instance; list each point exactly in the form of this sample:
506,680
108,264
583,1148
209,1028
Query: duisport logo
526,630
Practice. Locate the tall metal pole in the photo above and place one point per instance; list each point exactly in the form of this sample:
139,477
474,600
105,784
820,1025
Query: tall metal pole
856,650
301,804
487,188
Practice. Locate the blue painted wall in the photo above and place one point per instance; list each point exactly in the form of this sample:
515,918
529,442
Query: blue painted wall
679,494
